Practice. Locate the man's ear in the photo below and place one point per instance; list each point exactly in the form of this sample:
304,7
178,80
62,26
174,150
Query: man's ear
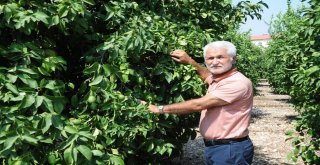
234,59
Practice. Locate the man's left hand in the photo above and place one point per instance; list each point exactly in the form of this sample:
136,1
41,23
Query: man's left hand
152,108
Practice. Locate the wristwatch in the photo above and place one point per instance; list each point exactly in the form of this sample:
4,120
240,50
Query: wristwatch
160,107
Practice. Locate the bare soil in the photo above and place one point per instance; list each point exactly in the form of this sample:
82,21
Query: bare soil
272,117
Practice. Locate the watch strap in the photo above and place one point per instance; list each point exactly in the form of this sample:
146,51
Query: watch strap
160,107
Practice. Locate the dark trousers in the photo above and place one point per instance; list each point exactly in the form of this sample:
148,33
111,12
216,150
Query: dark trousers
233,153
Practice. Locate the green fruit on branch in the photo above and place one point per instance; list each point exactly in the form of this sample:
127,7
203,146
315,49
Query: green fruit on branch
91,99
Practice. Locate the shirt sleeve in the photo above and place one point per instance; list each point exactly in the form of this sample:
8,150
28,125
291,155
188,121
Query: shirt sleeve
230,91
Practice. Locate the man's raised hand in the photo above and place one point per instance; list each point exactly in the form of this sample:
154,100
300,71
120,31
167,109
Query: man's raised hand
181,56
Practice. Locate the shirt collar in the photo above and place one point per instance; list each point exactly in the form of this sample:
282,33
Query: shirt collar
223,76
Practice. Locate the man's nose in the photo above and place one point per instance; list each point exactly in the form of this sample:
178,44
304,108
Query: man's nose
215,61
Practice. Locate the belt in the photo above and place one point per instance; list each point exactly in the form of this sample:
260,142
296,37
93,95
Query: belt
208,143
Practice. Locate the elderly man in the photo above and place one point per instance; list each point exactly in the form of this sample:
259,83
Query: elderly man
225,109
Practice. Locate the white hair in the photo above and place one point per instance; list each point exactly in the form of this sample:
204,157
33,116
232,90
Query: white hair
216,45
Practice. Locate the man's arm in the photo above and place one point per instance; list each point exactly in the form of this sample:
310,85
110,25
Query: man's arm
194,105
182,57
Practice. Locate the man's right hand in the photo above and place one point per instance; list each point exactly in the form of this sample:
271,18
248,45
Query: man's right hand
181,56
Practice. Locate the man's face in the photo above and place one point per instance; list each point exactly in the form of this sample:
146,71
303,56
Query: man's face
218,61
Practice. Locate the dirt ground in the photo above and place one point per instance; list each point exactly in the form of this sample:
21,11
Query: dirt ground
272,116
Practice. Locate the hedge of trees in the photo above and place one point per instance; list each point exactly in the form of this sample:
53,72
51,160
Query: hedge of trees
294,68
72,73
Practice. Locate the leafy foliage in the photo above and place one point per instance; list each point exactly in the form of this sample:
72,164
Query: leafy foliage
294,69
72,73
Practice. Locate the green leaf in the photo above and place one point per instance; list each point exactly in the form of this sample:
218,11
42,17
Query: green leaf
8,143
12,78
85,151
115,159
38,101
29,139
58,106
97,153
63,11
48,141
71,85
150,147
183,42
30,82
186,2
12,88
96,81
312,70
27,70
204,15
74,100
296,151
27,101
48,104
108,70
14,108
162,150
169,77
91,69
18,162
86,134
125,78
67,155
41,16
70,129
55,20
51,85
46,123
52,159
96,132
75,155
69,141
43,71
57,122
90,2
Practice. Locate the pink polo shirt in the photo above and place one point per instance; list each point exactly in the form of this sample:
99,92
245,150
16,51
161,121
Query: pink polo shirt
231,120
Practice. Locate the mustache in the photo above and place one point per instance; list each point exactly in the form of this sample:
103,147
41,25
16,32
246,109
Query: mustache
211,66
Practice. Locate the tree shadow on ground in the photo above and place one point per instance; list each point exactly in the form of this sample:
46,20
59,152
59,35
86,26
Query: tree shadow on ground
291,118
288,118
262,159
257,114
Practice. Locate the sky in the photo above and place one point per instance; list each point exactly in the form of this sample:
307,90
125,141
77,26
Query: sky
261,26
